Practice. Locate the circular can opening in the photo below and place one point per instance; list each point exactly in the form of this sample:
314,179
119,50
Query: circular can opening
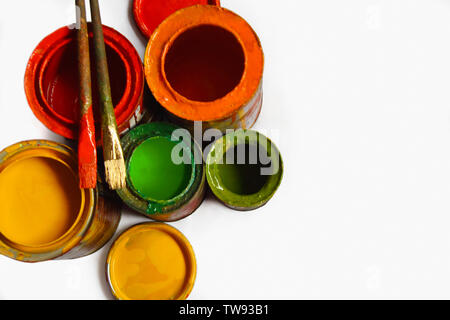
151,261
204,63
165,180
153,173
244,169
41,201
59,81
241,170
52,85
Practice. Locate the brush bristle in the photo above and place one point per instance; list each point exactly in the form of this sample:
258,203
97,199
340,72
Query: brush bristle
115,174
88,175
115,171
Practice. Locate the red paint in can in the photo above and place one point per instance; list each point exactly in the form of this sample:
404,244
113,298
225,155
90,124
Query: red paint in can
52,89
148,14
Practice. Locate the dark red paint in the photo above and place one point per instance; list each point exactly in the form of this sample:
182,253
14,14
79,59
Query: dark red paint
204,63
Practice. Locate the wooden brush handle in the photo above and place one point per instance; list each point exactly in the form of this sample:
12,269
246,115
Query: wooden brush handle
107,110
87,153
84,64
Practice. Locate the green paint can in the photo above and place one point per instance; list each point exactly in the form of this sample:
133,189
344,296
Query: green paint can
165,176
244,169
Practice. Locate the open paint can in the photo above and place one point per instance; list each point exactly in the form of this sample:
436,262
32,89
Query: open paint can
165,176
148,14
244,169
151,261
205,63
44,213
52,88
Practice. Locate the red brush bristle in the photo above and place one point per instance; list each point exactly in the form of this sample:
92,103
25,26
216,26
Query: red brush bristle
88,175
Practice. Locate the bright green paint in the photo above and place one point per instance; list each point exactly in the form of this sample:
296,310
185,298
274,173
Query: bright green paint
152,172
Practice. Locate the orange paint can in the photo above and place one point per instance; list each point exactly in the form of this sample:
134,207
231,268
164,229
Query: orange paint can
205,63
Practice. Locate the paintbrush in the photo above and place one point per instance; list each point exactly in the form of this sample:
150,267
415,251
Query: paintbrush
112,150
87,154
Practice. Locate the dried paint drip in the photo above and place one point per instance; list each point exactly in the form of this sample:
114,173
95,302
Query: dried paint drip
151,261
45,215
157,186
205,63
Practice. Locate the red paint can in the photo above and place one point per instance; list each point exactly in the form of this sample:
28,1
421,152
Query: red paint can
148,14
52,89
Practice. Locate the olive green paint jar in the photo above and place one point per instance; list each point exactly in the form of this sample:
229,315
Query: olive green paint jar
165,176
244,169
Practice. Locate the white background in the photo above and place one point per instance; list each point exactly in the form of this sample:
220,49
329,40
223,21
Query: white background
357,97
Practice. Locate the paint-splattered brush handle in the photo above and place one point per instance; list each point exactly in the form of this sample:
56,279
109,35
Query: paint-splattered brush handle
87,154
112,149
107,110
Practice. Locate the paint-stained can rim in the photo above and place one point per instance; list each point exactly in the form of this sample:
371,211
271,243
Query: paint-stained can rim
146,23
129,102
163,38
74,234
50,55
186,201
243,202
181,240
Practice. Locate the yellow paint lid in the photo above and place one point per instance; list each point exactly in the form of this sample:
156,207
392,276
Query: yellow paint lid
151,261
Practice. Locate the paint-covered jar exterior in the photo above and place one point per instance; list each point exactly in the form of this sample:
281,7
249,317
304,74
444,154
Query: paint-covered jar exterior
52,88
205,63
151,261
83,220
148,14
162,183
244,169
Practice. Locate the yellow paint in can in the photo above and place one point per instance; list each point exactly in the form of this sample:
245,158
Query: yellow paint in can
44,215
40,200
